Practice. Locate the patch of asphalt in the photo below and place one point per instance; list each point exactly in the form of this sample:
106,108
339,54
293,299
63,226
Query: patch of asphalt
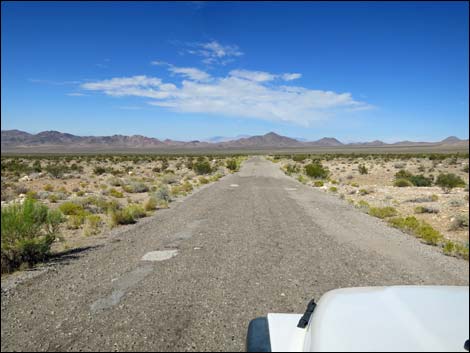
260,249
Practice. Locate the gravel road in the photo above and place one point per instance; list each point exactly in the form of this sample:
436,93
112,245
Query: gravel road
255,242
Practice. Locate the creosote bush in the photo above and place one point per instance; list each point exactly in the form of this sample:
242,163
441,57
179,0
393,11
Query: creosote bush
28,231
448,181
316,170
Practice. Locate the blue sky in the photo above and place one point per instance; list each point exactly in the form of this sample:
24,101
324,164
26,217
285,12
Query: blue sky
355,71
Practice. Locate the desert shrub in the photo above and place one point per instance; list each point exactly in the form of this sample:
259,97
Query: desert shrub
465,169
455,249
127,215
364,192
37,166
48,187
299,157
316,170
202,167
402,183
301,178
420,180
163,193
382,212
115,193
356,185
151,204
135,187
99,170
120,217
186,186
418,228
70,208
169,178
425,209
75,221
216,177
448,181
92,224
333,189
318,183
291,168
363,206
232,164
137,211
403,174
202,180
56,170
115,182
362,169
52,198
459,222
28,231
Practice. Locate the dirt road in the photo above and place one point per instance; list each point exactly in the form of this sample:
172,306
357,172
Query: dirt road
255,242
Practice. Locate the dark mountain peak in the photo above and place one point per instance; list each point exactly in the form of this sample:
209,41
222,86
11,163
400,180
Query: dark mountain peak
451,139
272,134
326,141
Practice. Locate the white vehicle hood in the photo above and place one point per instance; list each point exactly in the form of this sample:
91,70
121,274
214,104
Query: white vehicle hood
401,318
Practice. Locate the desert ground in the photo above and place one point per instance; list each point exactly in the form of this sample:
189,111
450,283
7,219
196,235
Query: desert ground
371,182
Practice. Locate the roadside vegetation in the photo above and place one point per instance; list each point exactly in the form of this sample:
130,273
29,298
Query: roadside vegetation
424,195
48,198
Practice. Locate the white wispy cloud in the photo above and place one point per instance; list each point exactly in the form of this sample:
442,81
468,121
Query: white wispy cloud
290,77
75,94
242,93
191,73
214,52
262,76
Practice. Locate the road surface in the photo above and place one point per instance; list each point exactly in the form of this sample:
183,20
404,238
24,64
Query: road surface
255,242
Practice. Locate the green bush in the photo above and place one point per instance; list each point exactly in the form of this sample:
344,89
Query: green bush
114,193
333,189
403,174
232,164
418,228
299,157
363,169
425,209
382,212
316,170
128,215
318,183
402,183
28,231
202,167
70,208
92,224
202,180
99,170
151,204
135,187
420,180
448,181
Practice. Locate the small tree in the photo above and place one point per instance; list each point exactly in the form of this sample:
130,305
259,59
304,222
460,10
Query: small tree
316,170
232,164
202,167
363,169
448,181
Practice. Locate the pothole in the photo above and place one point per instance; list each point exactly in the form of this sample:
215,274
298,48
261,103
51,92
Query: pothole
160,255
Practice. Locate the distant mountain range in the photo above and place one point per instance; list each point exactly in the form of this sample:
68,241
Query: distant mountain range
56,141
